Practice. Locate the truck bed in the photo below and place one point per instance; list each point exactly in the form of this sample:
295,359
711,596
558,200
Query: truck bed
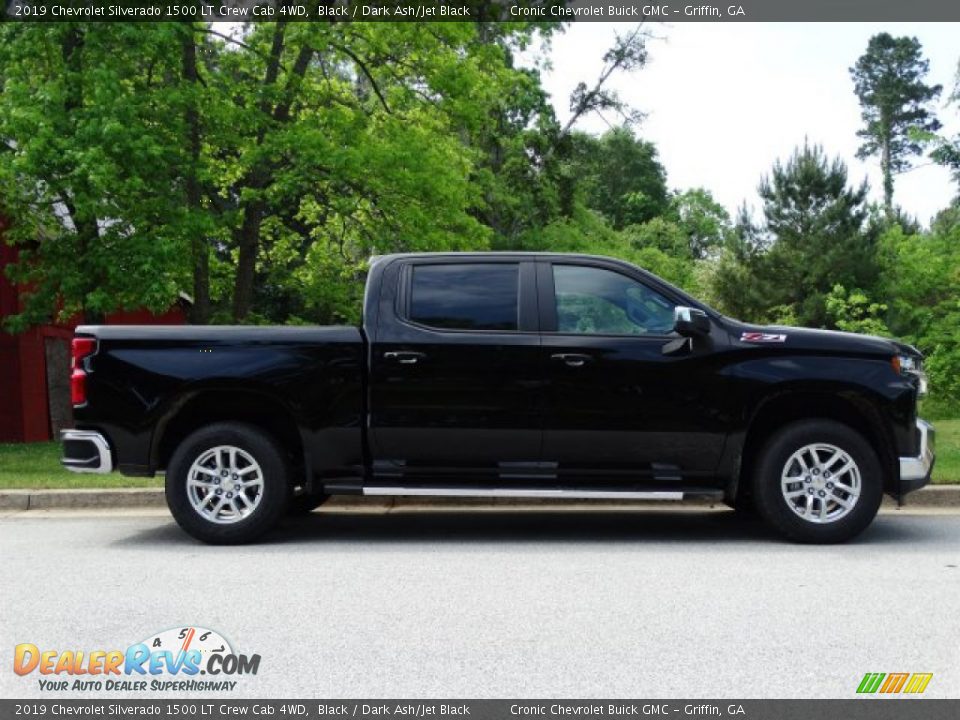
148,386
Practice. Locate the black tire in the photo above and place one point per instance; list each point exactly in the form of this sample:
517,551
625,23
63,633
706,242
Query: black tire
305,503
775,508
275,487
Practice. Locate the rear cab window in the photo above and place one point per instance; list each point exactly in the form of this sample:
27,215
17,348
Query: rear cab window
465,296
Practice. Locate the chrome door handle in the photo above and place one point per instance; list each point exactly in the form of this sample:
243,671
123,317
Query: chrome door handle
572,359
404,357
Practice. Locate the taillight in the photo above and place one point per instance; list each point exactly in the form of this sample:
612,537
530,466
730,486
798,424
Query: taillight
80,348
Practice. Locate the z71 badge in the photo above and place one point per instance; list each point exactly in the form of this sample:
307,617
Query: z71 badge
759,337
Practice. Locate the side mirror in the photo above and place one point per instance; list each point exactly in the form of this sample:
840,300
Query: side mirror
690,322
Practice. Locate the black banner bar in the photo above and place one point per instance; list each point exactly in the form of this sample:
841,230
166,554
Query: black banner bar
482,10
873,708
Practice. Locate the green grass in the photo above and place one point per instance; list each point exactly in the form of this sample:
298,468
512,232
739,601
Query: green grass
37,465
947,468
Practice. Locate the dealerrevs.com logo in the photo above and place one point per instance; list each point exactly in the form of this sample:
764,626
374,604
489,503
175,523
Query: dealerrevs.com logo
187,659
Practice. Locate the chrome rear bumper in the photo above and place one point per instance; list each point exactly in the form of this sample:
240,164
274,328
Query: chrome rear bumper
85,451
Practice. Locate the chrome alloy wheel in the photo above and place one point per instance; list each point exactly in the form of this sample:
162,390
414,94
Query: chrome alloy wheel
225,484
820,483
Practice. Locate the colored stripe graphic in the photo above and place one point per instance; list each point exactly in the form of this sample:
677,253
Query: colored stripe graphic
918,682
894,682
870,682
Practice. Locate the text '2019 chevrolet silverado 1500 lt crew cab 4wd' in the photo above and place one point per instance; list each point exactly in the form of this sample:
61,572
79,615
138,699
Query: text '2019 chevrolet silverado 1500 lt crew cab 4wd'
522,375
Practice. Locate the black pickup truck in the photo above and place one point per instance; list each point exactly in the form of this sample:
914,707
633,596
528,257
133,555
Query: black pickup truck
505,374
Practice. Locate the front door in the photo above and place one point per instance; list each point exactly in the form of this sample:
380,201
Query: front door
616,404
455,380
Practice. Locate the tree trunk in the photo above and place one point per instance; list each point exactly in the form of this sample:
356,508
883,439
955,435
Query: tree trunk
248,242
85,225
887,176
200,250
259,177
248,236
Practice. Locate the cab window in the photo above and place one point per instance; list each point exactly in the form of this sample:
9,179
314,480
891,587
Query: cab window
467,296
596,301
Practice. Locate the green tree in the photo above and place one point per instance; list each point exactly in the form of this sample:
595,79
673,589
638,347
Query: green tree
894,99
259,168
90,167
652,246
517,170
705,222
853,311
814,234
337,147
920,277
619,176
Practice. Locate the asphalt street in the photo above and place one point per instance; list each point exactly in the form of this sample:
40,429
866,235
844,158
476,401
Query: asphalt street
501,604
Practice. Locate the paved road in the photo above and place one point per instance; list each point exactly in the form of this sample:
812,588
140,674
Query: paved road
502,604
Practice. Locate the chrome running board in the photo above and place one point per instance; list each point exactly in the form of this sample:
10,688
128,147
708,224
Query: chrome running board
558,493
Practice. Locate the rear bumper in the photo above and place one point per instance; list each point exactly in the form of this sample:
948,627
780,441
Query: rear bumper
85,451
915,471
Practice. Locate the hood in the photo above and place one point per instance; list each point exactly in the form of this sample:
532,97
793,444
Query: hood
798,338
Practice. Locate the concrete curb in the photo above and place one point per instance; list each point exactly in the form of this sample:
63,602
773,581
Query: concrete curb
938,496
935,496
92,498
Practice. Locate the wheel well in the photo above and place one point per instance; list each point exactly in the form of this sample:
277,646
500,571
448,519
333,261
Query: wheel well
210,406
858,414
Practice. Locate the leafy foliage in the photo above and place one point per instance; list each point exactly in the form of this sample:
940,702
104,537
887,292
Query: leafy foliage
705,222
853,311
91,168
311,146
920,277
620,177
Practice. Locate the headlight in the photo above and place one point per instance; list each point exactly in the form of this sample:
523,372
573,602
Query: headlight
910,365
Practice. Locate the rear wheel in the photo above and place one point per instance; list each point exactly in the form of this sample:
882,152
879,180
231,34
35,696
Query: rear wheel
227,483
818,481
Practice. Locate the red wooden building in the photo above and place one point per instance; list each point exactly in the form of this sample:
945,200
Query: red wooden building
35,365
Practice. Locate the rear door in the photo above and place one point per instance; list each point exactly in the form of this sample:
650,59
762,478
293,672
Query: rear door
625,397
455,384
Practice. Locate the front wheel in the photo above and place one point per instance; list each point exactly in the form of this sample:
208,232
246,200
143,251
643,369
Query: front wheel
227,483
818,481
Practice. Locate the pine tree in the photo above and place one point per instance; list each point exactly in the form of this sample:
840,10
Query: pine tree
814,233
889,81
